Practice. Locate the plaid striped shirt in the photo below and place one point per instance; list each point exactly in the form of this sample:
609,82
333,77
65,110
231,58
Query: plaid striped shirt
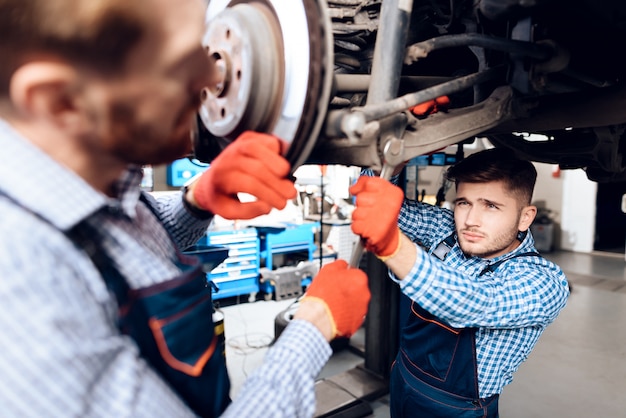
511,307
62,355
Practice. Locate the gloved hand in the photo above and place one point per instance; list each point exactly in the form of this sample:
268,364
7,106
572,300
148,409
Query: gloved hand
345,295
431,106
250,164
375,217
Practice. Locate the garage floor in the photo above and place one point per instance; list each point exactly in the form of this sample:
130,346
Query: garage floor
578,368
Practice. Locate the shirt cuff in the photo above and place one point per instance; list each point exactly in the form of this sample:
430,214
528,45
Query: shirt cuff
304,345
198,213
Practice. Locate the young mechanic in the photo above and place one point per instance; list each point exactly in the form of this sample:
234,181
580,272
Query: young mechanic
102,313
480,294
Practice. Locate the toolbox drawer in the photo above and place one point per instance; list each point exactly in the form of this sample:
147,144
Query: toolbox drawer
287,238
238,274
231,237
241,286
234,272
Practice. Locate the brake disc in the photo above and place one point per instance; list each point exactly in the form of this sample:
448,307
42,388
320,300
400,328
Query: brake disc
275,63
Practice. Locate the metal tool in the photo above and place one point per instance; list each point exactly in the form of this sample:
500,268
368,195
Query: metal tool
393,156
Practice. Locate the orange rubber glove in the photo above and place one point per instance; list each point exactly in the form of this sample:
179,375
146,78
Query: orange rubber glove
431,106
250,164
345,294
375,217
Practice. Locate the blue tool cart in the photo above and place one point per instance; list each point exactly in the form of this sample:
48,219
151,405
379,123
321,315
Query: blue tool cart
239,273
210,255
286,258
179,172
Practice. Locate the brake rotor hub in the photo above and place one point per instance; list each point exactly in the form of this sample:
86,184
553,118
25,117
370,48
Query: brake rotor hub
247,48
274,59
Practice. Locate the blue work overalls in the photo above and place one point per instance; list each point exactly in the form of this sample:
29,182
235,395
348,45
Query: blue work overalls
172,323
435,373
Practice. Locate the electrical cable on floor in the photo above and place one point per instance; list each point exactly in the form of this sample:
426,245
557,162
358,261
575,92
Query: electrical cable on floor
244,345
247,343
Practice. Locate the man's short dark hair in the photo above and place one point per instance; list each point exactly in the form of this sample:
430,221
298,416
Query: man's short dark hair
497,164
96,33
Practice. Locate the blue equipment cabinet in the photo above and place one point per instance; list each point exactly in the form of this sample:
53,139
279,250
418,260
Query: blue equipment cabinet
210,255
179,172
239,273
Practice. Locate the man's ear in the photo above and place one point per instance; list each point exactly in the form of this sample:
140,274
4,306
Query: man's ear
45,90
527,217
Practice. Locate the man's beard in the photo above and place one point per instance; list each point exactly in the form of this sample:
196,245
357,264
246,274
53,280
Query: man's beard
494,245
142,143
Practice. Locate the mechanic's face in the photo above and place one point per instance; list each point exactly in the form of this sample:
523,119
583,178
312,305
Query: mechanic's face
488,219
145,115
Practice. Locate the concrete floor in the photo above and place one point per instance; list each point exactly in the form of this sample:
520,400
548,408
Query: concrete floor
578,368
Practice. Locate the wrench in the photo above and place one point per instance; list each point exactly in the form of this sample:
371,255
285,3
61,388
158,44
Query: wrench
393,156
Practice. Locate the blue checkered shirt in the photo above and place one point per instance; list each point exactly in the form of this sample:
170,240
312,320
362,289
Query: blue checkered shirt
511,307
62,354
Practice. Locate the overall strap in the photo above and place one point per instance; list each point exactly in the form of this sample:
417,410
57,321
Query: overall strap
85,237
490,268
444,247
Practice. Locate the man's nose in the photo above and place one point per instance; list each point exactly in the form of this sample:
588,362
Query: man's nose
472,217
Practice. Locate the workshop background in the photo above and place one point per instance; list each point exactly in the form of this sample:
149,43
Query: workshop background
578,368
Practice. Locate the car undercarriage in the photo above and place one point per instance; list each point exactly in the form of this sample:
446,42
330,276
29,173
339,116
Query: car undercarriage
335,79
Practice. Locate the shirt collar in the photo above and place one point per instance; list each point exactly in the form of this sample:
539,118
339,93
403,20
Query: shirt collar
42,185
